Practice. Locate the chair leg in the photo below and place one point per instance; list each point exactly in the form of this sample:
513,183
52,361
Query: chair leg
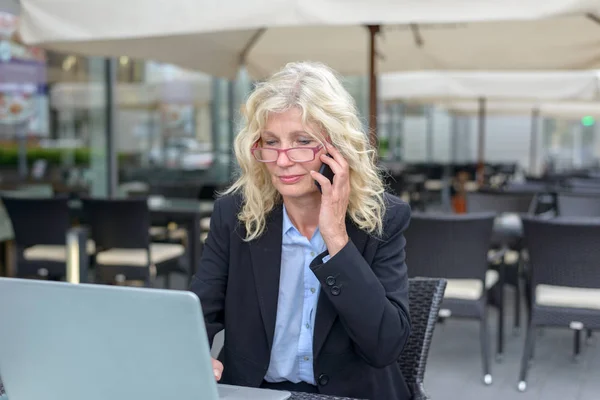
167,281
576,345
485,349
500,338
589,336
517,325
527,355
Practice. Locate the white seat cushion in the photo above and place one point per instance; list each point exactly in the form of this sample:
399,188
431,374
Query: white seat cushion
561,296
159,252
203,237
205,224
57,253
511,257
158,231
469,289
471,186
163,232
434,185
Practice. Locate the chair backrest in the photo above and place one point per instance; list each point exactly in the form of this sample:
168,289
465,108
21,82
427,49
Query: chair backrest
578,205
120,223
563,251
38,220
449,246
425,296
499,202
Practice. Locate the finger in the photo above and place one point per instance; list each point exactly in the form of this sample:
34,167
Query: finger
335,166
323,181
337,156
217,369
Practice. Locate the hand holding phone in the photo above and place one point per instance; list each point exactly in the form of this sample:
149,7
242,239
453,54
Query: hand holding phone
326,171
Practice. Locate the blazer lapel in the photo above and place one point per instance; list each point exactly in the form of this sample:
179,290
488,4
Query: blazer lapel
265,253
326,313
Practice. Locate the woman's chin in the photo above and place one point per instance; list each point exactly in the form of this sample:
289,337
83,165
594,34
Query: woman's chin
296,190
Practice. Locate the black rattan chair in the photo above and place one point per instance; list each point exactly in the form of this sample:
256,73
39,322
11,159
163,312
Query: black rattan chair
578,205
120,229
40,227
425,298
565,278
503,203
455,247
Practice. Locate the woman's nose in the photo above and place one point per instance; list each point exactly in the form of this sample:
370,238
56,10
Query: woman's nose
283,159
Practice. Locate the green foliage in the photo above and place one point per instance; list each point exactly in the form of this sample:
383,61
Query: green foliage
9,156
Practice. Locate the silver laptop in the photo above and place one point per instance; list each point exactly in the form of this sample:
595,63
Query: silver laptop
71,342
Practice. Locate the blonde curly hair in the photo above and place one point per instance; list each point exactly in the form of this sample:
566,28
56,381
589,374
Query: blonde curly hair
316,91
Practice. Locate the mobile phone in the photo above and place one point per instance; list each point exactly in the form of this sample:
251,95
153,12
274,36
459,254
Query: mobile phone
326,171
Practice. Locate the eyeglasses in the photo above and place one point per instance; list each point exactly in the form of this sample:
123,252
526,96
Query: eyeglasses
296,154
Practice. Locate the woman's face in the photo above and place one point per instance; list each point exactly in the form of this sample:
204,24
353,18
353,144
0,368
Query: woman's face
284,131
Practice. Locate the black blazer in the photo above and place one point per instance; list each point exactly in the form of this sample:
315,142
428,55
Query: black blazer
362,321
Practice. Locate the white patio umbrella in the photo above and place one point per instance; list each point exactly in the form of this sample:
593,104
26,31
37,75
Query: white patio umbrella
218,37
559,110
537,110
68,95
439,86
495,91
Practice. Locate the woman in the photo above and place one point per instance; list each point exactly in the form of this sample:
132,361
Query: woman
311,288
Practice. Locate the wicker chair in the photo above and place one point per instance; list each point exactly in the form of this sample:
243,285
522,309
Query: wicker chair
425,297
40,226
565,278
455,247
503,203
578,205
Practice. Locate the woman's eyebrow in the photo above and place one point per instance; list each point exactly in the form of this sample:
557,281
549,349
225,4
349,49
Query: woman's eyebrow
292,133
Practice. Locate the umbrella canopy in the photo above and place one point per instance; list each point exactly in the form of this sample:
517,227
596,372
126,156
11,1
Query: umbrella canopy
441,86
129,95
558,110
216,37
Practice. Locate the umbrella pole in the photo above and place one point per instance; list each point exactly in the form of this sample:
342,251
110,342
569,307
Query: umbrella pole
481,143
533,143
373,31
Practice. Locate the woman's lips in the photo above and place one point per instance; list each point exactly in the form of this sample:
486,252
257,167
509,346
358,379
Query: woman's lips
289,179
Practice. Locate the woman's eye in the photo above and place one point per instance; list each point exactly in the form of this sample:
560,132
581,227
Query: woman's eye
270,142
305,142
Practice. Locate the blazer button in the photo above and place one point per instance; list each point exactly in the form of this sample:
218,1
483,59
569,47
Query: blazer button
336,290
330,281
323,379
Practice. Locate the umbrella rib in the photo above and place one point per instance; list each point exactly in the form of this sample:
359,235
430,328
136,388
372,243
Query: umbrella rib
417,35
593,17
250,44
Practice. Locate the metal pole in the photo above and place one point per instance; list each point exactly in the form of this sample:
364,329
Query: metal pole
429,134
21,131
453,139
373,31
533,143
231,101
400,142
110,115
481,142
77,256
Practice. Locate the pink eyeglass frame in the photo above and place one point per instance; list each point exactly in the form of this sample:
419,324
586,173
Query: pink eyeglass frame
255,147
